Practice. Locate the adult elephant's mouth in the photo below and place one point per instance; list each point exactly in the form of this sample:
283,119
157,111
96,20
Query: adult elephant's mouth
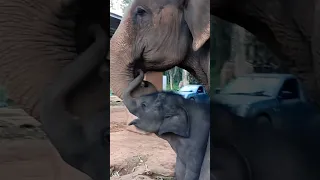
135,66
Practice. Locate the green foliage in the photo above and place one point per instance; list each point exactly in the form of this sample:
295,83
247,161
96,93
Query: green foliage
175,87
176,74
193,80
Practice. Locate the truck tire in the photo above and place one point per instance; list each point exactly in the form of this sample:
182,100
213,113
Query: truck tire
264,121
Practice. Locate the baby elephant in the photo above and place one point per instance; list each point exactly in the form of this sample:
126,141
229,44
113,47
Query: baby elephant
183,123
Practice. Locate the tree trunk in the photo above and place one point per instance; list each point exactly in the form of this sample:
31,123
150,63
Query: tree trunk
238,52
171,80
185,77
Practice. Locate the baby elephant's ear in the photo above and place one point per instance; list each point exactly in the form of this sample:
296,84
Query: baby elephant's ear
177,123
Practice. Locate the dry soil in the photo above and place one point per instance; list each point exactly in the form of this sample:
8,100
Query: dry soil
26,153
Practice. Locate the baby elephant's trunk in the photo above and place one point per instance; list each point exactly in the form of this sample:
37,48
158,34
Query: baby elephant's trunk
128,100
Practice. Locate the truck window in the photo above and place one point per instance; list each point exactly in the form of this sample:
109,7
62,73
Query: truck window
200,90
290,86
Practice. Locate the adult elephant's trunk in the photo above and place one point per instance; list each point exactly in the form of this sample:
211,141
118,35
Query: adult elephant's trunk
120,59
128,100
122,64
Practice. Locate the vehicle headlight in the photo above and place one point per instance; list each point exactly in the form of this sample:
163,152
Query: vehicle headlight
242,110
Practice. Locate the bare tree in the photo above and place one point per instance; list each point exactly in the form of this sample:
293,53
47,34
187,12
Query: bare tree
172,74
125,4
238,51
111,4
185,79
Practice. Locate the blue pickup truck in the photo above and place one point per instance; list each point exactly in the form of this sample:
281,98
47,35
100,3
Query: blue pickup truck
194,92
277,99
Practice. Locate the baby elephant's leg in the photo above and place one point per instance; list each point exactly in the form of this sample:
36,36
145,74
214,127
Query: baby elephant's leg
190,175
180,170
205,168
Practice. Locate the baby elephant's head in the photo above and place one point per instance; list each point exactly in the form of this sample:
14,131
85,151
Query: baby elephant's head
161,112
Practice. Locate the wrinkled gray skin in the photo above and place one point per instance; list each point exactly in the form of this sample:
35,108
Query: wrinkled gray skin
158,35
183,123
81,142
145,39
289,28
48,47
205,167
38,39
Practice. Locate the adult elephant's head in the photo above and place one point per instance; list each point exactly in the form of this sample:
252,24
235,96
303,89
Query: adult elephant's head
38,38
158,35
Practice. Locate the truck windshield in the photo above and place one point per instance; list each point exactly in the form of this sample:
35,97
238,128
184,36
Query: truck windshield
257,86
189,88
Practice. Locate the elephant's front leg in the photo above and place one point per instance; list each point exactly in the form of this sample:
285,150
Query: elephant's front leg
205,168
97,136
191,175
186,171
180,169
193,168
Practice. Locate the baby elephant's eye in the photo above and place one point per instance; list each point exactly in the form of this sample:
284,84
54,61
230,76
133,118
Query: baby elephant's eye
143,105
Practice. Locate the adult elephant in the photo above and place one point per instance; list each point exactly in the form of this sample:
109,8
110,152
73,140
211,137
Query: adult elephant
51,54
154,36
158,35
40,37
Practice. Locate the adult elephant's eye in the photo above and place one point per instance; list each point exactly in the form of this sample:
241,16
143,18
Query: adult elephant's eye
140,11
140,16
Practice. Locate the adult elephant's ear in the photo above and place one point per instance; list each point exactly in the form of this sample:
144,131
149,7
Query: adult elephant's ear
176,122
197,16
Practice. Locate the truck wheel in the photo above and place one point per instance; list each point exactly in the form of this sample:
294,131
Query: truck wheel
264,121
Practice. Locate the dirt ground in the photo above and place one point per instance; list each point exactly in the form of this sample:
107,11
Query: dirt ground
134,156
26,154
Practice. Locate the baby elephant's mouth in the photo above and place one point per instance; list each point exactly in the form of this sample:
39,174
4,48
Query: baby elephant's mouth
134,122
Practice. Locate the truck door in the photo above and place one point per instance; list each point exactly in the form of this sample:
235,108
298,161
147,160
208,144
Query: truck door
201,94
290,104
